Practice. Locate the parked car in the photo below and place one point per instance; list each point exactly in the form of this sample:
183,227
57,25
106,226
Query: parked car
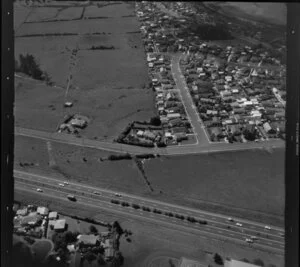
39,190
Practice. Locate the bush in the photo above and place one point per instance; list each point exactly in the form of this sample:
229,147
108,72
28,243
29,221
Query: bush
29,240
202,222
145,156
191,219
218,259
135,206
119,157
115,201
93,229
146,208
125,204
155,121
259,262
157,211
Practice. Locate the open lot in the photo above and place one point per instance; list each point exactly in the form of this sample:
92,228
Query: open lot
224,182
81,165
107,86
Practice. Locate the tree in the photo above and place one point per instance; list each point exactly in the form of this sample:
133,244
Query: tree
155,121
218,259
245,260
171,264
259,262
90,256
93,229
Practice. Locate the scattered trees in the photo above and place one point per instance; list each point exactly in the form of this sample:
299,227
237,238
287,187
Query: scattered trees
29,66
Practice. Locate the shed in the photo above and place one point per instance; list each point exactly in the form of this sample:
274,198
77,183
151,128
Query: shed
60,225
53,215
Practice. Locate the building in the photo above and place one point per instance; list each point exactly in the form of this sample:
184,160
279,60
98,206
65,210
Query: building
88,240
32,219
60,225
22,212
235,263
43,211
53,215
173,115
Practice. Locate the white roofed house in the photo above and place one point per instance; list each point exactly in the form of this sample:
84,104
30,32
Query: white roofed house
42,210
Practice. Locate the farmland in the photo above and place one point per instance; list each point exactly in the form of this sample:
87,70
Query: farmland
107,86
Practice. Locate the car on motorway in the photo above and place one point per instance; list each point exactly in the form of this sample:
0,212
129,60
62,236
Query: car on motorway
61,185
96,193
282,234
249,240
118,195
65,182
253,237
39,190
230,219
267,227
239,224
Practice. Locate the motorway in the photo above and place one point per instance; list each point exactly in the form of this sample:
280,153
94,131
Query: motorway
217,227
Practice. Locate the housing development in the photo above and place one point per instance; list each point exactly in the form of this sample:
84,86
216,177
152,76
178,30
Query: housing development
149,133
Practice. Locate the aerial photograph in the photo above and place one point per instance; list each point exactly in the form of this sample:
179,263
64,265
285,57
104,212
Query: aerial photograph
149,134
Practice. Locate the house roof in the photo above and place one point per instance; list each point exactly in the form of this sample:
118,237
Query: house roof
42,210
60,224
235,263
88,239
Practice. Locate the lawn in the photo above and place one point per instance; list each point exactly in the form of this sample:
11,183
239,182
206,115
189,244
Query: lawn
225,182
41,248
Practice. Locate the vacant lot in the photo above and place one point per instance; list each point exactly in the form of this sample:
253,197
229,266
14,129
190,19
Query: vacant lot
108,86
78,164
249,183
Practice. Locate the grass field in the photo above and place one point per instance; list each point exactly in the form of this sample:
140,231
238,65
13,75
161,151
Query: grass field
224,182
107,85
269,12
41,248
70,165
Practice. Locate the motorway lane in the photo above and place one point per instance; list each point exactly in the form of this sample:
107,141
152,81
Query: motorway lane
214,220
157,218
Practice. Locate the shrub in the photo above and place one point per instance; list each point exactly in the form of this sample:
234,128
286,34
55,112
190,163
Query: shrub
202,222
115,201
218,259
125,204
157,211
155,121
93,229
135,206
259,262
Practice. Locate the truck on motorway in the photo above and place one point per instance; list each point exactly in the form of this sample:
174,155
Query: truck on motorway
71,197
